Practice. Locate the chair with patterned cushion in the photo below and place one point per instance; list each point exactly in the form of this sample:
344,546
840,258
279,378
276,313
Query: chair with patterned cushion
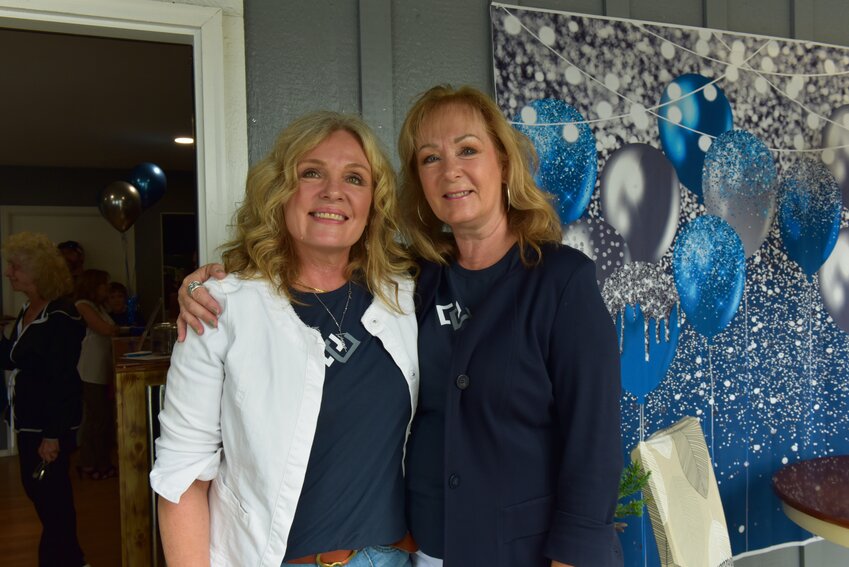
683,498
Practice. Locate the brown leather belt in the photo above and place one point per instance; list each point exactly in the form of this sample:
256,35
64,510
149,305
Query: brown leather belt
344,556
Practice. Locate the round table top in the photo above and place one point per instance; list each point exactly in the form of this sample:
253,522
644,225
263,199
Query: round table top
817,487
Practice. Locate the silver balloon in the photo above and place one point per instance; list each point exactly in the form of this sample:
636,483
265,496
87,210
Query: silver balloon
120,205
835,134
600,242
640,199
834,281
740,185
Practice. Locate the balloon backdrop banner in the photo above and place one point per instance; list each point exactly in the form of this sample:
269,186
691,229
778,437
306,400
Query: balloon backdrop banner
709,267
600,242
150,181
693,109
120,205
566,149
835,134
834,282
640,199
770,386
739,184
809,213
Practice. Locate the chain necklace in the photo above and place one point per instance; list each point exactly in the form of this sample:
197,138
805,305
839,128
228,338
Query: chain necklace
340,335
309,287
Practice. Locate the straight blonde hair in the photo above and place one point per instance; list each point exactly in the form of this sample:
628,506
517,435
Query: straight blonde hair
530,216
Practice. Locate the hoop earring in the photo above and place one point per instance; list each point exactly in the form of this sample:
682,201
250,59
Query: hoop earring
509,199
419,212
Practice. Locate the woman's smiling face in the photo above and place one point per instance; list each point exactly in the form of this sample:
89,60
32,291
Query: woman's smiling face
460,169
329,211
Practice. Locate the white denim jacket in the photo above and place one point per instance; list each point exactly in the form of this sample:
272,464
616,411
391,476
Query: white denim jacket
241,407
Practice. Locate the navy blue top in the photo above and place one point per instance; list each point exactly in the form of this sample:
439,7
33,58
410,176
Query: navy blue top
48,389
353,494
458,296
515,453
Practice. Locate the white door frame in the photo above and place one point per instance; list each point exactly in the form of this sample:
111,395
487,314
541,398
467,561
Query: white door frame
217,36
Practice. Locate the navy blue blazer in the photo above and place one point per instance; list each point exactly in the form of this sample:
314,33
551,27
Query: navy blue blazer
532,439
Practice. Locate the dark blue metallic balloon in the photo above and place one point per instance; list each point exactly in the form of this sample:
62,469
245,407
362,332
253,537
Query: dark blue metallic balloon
810,205
706,111
647,350
149,179
568,163
709,268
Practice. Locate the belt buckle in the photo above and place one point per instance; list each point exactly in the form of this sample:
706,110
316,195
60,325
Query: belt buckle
321,563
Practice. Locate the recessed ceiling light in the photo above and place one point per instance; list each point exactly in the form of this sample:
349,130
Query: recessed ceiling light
184,140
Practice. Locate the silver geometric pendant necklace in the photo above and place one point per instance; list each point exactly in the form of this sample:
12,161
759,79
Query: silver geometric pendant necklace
338,323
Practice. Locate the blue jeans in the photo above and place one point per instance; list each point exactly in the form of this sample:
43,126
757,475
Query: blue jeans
375,556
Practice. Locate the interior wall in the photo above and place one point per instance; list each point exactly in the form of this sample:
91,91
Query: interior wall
303,55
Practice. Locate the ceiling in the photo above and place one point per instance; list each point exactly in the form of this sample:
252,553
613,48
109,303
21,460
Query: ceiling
91,102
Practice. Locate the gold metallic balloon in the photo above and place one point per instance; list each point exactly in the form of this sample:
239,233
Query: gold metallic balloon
120,204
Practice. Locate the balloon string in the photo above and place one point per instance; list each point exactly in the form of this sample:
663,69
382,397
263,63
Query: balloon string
127,263
808,422
747,390
711,401
643,518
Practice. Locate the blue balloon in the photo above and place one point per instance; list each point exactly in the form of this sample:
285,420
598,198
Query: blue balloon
566,149
684,110
149,179
709,268
647,350
809,211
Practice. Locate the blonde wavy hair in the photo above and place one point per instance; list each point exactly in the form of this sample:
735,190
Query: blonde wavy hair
530,216
263,247
40,258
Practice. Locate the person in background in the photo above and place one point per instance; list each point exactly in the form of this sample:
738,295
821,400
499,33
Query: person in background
117,306
95,368
74,255
283,429
514,456
46,410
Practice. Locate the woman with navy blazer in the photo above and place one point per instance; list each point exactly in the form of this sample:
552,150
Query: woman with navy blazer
514,457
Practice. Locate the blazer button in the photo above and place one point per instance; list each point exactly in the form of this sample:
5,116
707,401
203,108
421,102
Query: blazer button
453,481
462,381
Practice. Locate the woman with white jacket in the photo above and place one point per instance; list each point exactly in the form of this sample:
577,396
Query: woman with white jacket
283,430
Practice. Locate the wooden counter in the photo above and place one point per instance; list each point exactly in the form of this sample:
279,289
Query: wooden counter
132,380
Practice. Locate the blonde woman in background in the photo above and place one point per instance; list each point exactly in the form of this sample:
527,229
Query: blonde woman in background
42,353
